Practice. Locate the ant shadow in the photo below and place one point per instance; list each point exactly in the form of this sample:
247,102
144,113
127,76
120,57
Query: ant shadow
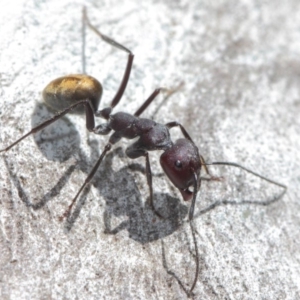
59,142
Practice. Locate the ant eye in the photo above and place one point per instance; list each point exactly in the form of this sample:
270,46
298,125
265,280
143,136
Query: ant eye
178,164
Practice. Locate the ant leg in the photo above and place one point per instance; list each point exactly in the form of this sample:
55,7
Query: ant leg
196,188
114,138
134,152
197,185
126,75
150,184
87,180
90,121
197,257
204,165
184,132
197,260
153,96
169,94
147,102
211,177
149,180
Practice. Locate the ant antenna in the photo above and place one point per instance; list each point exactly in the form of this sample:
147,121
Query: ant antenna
232,164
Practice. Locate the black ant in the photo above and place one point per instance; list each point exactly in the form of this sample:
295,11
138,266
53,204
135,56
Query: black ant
180,160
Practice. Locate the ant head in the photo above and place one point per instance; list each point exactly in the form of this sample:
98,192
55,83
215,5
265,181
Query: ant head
180,163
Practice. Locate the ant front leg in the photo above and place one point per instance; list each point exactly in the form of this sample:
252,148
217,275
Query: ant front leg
182,164
211,177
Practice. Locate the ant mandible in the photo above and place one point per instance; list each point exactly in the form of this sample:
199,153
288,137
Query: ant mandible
180,160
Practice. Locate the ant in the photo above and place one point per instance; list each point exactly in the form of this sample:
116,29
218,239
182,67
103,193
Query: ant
180,160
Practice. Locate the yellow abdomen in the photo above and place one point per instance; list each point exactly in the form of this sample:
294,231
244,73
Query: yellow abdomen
65,91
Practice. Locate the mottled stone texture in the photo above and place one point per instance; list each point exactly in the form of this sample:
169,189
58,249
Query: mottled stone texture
240,62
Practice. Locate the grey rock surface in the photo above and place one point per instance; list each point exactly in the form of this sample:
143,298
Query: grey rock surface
240,64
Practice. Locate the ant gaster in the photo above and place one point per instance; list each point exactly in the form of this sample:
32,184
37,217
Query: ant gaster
180,160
